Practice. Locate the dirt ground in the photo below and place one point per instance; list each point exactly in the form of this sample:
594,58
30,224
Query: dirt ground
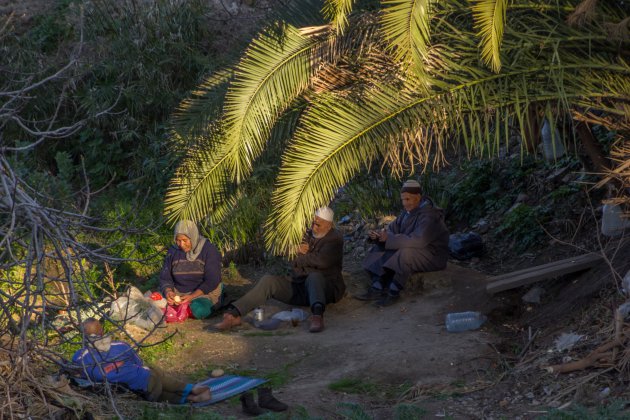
398,346
404,355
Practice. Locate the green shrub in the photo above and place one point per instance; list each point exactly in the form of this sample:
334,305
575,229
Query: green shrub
523,225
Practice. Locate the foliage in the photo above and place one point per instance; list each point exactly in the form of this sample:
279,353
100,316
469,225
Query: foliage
478,190
352,411
409,412
353,386
399,89
523,225
138,57
375,196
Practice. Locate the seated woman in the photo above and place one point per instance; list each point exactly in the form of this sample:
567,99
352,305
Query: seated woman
192,271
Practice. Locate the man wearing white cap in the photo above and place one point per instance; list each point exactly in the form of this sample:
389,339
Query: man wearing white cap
316,279
417,241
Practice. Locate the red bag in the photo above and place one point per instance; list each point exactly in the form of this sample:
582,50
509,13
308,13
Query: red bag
177,313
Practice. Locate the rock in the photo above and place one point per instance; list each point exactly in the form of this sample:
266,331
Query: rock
217,372
522,198
430,281
482,226
533,296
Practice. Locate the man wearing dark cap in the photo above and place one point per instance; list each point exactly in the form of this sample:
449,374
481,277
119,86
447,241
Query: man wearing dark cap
417,241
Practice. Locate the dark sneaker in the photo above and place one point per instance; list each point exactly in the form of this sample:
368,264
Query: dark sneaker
388,300
372,294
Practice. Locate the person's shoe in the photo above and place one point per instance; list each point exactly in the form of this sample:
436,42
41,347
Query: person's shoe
388,300
317,324
229,321
372,294
268,401
249,404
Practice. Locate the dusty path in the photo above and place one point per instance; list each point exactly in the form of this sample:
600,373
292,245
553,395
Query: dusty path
389,349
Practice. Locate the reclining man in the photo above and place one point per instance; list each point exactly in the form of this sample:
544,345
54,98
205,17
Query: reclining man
116,362
316,279
416,241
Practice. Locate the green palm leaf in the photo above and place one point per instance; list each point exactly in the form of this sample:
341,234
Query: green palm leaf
198,187
195,113
406,28
274,71
490,19
338,136
268,78
336,12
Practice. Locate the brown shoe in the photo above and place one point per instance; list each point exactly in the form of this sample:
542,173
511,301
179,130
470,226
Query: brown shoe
229,321
317,323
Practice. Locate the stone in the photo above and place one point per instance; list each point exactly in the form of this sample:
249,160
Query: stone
533,295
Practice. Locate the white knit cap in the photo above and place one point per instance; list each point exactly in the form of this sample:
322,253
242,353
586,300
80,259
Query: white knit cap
325,213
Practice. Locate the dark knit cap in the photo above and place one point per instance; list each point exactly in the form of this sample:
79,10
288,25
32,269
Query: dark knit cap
411,186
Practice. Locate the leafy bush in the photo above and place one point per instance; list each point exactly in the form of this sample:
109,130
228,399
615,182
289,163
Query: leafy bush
522,225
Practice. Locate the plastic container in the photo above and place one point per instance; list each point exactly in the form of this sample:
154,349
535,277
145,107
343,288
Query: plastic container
612,222
551,141
464,321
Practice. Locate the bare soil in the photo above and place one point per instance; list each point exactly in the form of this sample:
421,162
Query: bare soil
389,349
403,354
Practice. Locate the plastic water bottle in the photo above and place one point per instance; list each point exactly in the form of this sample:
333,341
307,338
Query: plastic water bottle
464,321
552,142
613,223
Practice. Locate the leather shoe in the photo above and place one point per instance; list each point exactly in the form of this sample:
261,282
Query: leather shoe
372,294
317,324
229,321
388,300
249,405
268,401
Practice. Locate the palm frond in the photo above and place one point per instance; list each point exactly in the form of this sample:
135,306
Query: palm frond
406,26
489,17
336,12
338,136
199,187
272,73
195,113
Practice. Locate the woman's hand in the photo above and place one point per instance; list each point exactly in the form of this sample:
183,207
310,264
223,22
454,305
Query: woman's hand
170,296
191,296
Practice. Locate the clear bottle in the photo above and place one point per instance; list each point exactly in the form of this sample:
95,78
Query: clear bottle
613,222
551,141
464,321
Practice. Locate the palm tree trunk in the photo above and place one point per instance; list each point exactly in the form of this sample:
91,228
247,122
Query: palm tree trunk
592,148
532,128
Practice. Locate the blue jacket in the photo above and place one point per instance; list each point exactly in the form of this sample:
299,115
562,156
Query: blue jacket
121,365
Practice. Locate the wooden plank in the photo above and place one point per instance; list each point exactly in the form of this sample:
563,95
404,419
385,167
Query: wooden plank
542,272
546,266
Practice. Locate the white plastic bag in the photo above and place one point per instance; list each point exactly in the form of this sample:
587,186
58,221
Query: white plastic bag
136,309
294,314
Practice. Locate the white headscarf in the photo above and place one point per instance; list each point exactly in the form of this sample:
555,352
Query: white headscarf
189,229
